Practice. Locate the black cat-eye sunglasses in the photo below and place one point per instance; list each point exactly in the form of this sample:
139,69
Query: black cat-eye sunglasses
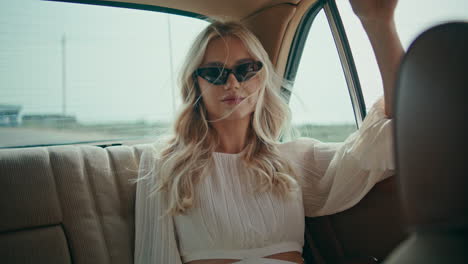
219,75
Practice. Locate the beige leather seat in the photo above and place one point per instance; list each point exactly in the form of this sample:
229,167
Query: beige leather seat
431,131
75,204
71,204
68,204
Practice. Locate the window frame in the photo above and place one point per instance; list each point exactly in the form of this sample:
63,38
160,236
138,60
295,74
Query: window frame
344,53
297,46
145,7
121,141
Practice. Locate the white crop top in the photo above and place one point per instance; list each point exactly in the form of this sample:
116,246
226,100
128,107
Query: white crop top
231,223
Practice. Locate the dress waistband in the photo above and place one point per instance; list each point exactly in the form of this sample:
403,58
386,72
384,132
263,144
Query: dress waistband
255,254
263,261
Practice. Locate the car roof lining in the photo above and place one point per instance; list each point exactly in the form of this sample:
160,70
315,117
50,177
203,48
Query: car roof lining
258,15
238,9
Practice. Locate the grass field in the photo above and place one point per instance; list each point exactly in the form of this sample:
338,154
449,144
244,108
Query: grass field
327,133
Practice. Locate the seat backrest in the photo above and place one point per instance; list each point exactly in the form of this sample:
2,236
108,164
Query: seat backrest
75,204
364,234
431,113
68,204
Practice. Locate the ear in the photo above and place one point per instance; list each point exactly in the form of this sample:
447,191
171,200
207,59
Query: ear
196,85
195,77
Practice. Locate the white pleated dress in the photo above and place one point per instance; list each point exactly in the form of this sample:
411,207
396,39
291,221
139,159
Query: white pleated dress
229,222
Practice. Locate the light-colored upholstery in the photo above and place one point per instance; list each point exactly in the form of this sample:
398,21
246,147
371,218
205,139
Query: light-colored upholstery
68,204
75,204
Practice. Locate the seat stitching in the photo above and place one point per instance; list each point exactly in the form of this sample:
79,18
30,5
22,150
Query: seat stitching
126,214
92,191
114,175
65,232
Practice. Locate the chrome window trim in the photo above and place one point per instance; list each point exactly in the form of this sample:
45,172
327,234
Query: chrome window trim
347,61
298,43
145,7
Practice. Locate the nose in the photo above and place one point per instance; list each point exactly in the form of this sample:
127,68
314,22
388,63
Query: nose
231,82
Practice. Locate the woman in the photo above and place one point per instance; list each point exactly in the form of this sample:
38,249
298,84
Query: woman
223,189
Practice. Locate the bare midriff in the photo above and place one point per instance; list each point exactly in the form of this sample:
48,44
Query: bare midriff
293,256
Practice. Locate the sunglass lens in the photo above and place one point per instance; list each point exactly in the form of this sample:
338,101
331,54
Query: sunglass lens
219,76
246,71
213,75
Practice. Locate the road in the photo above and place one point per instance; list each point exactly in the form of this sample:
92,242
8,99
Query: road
20,136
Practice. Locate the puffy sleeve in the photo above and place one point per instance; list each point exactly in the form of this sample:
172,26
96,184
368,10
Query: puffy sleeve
155,237
336,176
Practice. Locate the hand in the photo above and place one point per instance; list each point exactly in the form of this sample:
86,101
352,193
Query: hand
377,20
374,10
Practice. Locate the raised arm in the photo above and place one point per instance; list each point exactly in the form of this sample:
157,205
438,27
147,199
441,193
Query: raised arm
377,18
336,176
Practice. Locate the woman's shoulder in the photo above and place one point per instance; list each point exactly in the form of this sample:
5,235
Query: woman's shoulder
309,150
148,159
298,147
147,152
298,144
150,152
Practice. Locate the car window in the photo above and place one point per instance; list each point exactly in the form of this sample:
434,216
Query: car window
320,101
72,73
412,17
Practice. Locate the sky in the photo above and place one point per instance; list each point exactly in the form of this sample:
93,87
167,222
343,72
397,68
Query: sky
103,64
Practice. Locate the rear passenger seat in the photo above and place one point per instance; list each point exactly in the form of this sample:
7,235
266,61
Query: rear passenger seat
75,204
68,204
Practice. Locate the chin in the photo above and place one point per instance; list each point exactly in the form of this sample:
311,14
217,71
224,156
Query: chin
238,115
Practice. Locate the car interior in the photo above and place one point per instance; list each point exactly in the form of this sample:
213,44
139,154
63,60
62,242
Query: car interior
75,203
431,165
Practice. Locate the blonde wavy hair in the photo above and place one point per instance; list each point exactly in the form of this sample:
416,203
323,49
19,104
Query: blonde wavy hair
187,155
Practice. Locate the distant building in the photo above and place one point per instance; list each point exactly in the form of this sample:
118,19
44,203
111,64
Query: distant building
9,114
49,120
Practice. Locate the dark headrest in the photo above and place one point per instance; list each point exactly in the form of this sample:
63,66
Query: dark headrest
431,130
